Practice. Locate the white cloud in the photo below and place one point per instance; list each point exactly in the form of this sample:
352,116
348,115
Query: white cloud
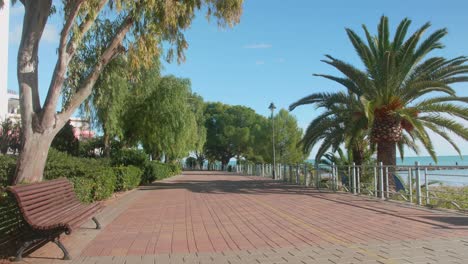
50,34
260,62
258,46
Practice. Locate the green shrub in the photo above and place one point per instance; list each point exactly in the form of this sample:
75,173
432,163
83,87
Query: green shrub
175,169
83,188
104,187
155,170
93,179
7,169
127,157
127,177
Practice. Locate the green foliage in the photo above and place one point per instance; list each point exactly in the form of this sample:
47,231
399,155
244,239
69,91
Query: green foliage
104,183
66,141
83,188
127,177
343,121
402,93
7,169
88,147
237,131
155,170
163,119
127,157
93,179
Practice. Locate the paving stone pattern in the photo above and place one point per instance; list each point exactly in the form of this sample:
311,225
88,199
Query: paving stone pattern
214,217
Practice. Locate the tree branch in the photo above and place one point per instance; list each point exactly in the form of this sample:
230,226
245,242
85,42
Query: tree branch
109,53
66,53
83,28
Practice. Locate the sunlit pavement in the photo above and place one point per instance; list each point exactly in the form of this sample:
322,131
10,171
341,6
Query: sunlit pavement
214,217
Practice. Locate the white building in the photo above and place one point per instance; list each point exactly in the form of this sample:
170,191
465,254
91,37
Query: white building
4,32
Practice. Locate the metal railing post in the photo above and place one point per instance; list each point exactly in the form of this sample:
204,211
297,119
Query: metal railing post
333,175
297,174
387,189
350,179
427,186
354,178
317,177
382,194
375,182
358,177
418,184
307,176
410,184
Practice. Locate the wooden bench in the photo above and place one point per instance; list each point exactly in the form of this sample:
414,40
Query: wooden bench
50,209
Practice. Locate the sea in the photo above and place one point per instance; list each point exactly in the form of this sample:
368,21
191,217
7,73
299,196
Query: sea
445,177
438,176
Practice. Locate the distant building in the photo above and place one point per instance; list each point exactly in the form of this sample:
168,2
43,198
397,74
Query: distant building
13,112
81,128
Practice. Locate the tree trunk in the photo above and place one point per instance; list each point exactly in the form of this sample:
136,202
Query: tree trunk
358,155
386,153
33,156
107,146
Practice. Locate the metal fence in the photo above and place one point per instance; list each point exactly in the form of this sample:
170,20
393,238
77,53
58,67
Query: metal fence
432,186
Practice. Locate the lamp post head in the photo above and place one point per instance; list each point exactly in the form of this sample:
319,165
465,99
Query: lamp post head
272,107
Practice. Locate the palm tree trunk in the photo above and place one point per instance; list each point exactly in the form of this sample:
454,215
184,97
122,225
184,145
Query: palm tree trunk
386,153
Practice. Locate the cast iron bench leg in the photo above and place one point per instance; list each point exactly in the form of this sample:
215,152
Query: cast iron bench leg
66,255
19,254
98,225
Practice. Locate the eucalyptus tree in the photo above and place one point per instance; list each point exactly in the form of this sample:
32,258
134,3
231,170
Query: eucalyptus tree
139,30
405,93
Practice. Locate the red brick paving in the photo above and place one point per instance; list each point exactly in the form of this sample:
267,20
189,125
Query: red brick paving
215,212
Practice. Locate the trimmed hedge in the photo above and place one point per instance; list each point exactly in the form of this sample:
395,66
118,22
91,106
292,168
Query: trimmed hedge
127,178
93,179
7,169
155,170
96,179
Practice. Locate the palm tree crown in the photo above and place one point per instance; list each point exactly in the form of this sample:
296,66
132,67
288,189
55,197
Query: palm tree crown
404,93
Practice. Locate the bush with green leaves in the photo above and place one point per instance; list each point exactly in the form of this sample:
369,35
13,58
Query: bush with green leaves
7,169
93,179
127,157
127,178
155,170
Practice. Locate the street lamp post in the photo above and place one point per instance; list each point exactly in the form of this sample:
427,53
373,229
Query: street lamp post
272,108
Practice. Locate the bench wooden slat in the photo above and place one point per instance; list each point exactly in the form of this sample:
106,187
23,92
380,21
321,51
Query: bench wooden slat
37,187
43,205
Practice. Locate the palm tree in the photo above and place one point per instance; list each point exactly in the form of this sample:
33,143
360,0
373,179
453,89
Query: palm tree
343,121
396,86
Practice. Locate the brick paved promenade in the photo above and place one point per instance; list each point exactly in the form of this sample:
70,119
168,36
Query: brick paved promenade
211,217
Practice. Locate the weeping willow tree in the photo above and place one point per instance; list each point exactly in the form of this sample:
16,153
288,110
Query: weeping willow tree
165,122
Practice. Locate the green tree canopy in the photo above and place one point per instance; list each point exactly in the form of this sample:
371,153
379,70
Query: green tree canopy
137,28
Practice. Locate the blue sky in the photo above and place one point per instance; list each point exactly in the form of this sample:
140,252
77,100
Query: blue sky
271,55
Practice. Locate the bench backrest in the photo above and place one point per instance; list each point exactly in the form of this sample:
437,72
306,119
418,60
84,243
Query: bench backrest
40,201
